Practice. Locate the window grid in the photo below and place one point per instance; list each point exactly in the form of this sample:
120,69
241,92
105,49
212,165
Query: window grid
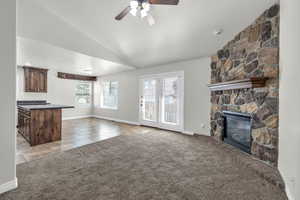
109,97
83,92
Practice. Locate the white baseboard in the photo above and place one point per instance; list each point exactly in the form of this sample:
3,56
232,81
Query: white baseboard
133,123
77,117
187,132
9,186
288,193
289,183
117,120
203,134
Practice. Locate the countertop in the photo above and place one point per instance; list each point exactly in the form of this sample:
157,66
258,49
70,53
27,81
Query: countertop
44,107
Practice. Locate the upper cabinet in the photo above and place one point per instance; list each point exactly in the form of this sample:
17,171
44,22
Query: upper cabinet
35,79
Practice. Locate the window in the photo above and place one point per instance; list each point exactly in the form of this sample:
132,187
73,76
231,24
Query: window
83,92
109,96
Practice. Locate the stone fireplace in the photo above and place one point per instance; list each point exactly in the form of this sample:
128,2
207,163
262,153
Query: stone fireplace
253,53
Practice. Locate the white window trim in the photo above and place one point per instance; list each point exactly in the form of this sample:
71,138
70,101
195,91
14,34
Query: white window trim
101,97
85,105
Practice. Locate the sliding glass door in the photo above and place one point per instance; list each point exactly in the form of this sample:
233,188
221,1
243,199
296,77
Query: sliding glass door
161,101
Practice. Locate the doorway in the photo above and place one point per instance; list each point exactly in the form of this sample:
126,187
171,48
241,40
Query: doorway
161,101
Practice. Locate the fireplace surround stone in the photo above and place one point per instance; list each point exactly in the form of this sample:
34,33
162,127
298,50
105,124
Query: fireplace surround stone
254,52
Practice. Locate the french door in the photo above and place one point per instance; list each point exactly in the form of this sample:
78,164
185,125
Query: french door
161,100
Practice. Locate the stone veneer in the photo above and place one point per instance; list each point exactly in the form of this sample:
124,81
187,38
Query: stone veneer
252,53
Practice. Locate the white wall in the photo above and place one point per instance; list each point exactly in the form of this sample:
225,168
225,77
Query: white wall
60,91
8,94
289,102
196,100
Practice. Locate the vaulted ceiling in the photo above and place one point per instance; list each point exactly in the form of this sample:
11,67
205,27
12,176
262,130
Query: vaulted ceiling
181,32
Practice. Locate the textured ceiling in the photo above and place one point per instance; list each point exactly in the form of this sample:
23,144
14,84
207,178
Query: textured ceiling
181,32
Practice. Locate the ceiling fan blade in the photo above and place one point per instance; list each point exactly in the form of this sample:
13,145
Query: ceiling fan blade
164,2
123,13
150,20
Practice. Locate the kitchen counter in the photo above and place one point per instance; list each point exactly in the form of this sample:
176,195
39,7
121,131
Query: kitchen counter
40,122
44,107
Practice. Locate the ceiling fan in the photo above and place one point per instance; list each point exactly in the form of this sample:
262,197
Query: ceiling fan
144,7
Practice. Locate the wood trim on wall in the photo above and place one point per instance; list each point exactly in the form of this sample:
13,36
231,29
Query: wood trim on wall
63,75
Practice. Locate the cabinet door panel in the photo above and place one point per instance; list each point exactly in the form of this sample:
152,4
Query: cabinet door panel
28,78
35,79
42,82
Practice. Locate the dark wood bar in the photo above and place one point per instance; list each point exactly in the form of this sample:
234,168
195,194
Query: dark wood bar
40,123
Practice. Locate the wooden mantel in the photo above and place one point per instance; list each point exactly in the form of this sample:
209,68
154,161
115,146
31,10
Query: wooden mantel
239,84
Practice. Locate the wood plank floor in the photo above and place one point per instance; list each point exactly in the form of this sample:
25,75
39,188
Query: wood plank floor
75,133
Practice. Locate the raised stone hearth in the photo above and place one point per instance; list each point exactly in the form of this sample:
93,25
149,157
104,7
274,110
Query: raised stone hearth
252,53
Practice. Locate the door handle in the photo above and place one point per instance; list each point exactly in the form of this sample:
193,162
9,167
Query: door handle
142,101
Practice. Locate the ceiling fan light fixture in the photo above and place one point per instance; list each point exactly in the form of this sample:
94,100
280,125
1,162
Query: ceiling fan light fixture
146,6
144,13
143,7
134,4
133,11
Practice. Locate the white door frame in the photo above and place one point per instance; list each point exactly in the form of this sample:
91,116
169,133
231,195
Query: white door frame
141,120
158,124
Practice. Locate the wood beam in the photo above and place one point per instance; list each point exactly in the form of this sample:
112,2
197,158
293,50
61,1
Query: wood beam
76,77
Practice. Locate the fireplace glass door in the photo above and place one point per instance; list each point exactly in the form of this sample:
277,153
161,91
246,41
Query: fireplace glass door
237,130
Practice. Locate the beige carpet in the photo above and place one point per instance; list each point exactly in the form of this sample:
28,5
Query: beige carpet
154,165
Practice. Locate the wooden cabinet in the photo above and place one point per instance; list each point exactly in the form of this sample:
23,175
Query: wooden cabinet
35,79
40,126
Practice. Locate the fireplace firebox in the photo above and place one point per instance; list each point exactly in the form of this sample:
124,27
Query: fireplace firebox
237,130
